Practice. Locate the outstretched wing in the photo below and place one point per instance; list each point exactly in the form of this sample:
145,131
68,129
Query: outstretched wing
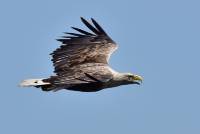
83,47
85,73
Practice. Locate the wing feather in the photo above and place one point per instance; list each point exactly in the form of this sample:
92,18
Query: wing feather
83,47
85,73
82,31
90,26
100,29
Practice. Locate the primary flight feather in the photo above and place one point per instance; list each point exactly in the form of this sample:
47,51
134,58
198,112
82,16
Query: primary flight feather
81,63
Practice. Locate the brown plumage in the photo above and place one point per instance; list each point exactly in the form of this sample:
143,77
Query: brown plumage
81,63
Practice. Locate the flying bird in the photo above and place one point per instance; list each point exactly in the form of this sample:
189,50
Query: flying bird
81,63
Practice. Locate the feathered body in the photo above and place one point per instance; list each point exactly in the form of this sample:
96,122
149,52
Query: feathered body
81,63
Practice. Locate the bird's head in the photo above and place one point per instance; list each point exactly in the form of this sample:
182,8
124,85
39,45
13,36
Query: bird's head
132,78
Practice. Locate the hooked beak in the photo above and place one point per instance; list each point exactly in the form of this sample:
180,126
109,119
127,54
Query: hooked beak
137,79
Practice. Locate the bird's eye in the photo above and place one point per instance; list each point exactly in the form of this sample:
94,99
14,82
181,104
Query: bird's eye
130,78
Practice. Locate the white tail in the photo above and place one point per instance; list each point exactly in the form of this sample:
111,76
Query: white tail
32,82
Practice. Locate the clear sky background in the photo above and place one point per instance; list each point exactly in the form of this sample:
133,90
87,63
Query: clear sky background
159,40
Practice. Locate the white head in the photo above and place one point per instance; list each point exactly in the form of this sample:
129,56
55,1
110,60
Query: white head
128,78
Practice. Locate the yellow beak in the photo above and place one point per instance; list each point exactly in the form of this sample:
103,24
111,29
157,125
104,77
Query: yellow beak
138,78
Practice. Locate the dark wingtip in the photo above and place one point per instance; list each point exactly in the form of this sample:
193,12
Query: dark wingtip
75,34
82,18
90,26
82,31
93,19
60,40
100,29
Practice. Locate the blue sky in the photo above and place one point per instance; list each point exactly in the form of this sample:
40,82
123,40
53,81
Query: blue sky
157,39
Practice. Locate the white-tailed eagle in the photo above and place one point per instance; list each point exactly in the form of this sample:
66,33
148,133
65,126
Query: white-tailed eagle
81,63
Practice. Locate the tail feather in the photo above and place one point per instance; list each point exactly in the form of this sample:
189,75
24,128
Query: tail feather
39,83
33,82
